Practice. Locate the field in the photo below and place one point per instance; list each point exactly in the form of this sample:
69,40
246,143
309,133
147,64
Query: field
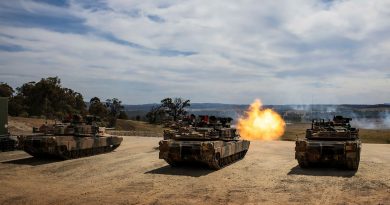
19,125
127,125
22,125
133,174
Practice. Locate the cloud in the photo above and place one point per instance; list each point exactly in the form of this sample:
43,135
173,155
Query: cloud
11,48
141,51
156,18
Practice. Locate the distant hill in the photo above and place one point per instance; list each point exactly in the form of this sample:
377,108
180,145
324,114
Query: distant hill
139,107
291,113
384,105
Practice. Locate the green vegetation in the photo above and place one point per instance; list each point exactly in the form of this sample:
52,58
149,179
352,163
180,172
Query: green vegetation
155,115
48,98
131,125
169,109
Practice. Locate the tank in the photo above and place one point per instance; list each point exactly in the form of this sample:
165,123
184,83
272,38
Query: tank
7,142
330,142
208,140
70,140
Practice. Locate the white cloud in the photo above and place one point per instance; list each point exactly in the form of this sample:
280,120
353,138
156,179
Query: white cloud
284,52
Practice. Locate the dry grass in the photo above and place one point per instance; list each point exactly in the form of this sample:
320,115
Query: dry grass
382,136
294,131
375,136
132,125
20,125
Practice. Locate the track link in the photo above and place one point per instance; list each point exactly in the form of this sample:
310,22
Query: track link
219,163
73,154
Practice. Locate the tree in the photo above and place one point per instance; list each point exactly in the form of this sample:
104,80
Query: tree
15,103
47,97
155,114
175,108
96,107
6,90
123,115
16,107
114,108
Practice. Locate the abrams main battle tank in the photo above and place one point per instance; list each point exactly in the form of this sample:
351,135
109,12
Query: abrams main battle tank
208,140
334,142
71,140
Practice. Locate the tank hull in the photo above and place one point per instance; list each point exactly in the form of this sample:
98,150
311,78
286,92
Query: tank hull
216,154
69,147
344,153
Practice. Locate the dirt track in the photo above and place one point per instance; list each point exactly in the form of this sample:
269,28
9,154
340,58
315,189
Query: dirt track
133,174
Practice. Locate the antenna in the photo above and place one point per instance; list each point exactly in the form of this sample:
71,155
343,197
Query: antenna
311,107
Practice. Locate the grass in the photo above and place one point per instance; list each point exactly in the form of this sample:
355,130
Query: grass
132,125
375,136
380,136
293,131
32,122
22,125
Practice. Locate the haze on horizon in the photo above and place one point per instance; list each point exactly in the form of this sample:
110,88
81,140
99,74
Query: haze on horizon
283,52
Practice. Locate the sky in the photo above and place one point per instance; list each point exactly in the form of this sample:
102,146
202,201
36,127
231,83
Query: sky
283,52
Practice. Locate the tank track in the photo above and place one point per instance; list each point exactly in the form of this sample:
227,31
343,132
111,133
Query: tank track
348,164
7,145
219,163
74,154
353,164
303,163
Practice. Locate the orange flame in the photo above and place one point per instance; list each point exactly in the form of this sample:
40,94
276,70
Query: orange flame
260,124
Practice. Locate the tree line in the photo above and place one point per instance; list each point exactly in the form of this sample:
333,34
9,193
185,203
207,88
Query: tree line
168,110
48,98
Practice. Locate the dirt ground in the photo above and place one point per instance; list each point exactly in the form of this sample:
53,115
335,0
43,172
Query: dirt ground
133,174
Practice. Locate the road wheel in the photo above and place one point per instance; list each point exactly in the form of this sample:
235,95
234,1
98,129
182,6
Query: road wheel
353,164
216,163
303,163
